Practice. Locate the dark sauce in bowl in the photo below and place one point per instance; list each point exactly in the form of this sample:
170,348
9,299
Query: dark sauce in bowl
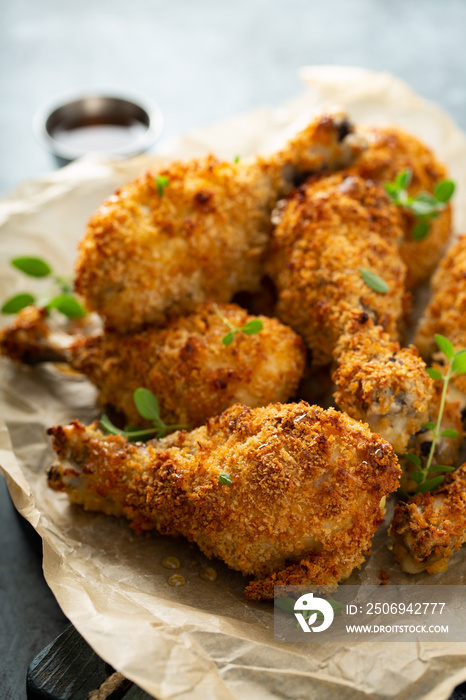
114,126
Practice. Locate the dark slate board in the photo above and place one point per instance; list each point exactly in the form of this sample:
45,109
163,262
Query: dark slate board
68,669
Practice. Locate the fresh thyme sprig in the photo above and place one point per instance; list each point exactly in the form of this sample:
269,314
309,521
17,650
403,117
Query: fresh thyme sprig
65,301
161,181
148,407
425,206
250,328
456,365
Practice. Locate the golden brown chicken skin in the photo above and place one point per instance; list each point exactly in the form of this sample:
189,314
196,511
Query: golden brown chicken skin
430,527
185,364
446,312
379,382
306,496
392,150
327,231
195,230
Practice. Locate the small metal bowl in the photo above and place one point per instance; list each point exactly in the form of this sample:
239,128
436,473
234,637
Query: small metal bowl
113,125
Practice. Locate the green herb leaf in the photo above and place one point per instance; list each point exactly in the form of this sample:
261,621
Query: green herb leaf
444,190
421,230
403,179
423,207
449,433
442,468
445,346
161,181
430,484
34,267
225,478
67,305
237,159
434,373
374,281
286,604
458,366
429,426
414,459
147,404
107,425
418,477
228,338
252,327
16,303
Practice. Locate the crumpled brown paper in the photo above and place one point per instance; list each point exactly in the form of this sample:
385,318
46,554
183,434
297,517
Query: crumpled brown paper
201,640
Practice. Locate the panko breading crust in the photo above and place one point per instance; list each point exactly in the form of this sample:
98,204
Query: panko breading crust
306,497
327,231
26,337
185,364
381,383
446,312
147,255
430,527
392,150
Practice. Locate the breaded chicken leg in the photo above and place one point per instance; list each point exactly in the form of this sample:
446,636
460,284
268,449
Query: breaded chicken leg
186,365
306,496
326,232
446,312
430,527
195,230
381,383
391,151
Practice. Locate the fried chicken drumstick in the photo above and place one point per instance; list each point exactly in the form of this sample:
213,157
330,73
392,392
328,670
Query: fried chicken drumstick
430,527
185,364
391,151
196,230
380,383
326,232
306,496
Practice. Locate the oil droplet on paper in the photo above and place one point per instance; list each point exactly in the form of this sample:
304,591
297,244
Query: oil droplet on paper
171,563
208,574
176,580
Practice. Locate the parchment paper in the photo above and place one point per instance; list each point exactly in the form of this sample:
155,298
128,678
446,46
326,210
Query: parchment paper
201,640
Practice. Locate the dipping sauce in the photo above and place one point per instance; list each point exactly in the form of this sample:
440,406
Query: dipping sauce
86,138
83,123
176,580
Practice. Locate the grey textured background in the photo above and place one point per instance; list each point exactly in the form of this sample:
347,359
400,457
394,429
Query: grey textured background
201,60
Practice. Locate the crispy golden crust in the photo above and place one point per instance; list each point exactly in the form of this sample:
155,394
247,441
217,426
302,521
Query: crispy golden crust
192,373
391,151
307,485
26,337
446,312
145,255
327,231
380,383
430,527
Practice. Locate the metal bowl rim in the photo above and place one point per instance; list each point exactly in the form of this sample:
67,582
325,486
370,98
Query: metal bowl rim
139,145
